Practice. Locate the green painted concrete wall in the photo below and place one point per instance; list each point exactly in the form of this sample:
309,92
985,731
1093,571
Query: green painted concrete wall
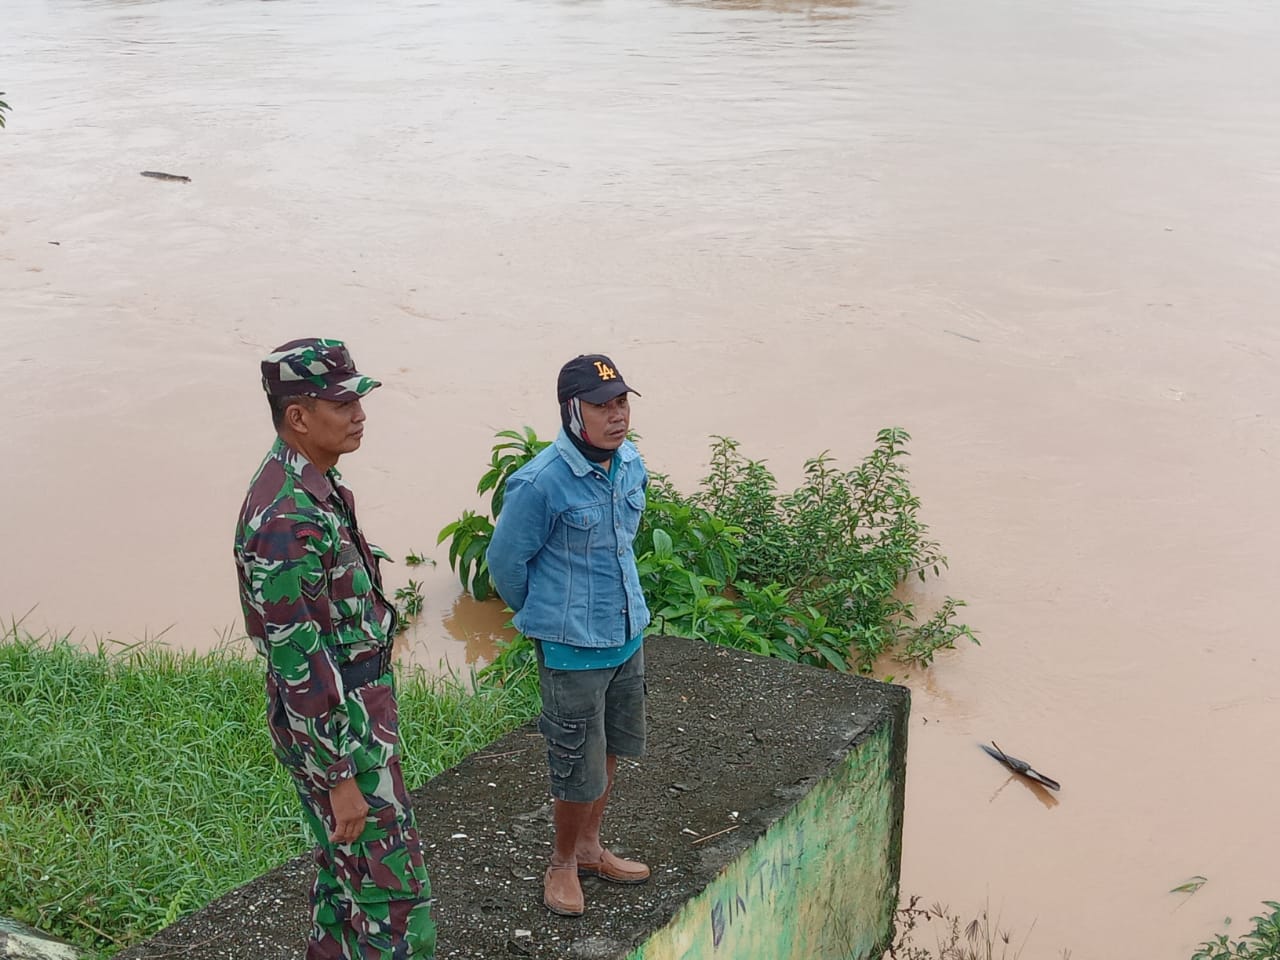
820,884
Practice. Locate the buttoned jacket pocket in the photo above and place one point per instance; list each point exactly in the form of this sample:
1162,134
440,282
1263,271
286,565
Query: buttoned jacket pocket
350,592
583,518
582,526
632,513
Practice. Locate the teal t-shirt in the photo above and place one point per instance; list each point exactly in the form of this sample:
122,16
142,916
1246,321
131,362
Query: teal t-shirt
564,656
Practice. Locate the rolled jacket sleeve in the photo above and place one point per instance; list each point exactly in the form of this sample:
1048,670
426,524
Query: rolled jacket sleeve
520,533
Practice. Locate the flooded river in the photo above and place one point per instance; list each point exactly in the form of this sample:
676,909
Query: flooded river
1043,237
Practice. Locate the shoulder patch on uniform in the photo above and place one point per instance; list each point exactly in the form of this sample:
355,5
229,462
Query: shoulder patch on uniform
306,530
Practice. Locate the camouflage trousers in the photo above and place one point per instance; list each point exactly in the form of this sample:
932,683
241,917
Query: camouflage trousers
371,899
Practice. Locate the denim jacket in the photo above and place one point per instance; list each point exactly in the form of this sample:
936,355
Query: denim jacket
561,554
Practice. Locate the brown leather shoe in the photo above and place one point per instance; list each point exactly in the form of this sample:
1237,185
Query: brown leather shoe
561,891
614,869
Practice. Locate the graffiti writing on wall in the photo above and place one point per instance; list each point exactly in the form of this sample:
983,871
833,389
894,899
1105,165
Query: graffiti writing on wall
759,885
819,884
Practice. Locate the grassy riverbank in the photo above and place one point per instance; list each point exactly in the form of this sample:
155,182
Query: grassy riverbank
138,784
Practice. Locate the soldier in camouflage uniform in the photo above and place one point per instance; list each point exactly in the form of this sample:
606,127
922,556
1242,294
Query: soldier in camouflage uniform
314,607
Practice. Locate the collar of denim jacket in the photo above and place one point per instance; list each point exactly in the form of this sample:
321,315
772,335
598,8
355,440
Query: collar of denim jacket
579,464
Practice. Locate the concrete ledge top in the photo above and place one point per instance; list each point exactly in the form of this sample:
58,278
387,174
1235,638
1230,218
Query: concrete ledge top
735,740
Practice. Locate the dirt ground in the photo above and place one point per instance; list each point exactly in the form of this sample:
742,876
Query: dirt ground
734,741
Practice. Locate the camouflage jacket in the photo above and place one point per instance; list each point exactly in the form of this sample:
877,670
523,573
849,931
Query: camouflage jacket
312,597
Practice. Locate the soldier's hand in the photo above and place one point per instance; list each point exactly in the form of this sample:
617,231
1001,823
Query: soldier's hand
349,810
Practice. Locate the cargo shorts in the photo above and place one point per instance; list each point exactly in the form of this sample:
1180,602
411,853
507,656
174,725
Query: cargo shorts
588,715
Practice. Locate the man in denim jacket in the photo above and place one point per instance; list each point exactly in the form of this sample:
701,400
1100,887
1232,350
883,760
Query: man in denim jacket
562,559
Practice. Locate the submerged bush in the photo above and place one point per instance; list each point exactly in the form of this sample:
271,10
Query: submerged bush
1260,943
811,576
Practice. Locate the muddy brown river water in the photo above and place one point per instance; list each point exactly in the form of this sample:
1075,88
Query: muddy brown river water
1043,237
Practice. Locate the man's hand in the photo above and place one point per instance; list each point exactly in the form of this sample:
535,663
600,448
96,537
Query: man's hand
349,810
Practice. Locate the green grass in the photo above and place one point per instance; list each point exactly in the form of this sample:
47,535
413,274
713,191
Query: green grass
138,783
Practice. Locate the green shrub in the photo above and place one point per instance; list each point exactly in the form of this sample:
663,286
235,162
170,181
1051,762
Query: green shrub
811,576
1260,943
469,535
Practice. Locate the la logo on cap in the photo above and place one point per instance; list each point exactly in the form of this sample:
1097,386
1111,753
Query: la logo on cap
605,371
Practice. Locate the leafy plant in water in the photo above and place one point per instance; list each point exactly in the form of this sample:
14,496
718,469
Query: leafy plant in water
469,538
685,557
810,576
470,534
836,548
841,543
409,600
1260,943
517,449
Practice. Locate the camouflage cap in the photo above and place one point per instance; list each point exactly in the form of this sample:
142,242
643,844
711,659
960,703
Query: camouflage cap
312,367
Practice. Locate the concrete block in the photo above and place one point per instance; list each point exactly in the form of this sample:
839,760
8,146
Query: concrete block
769,809
20,942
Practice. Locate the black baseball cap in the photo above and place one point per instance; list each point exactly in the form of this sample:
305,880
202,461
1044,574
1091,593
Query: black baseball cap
592,377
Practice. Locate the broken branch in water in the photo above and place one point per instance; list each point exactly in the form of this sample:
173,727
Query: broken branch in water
1020,766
